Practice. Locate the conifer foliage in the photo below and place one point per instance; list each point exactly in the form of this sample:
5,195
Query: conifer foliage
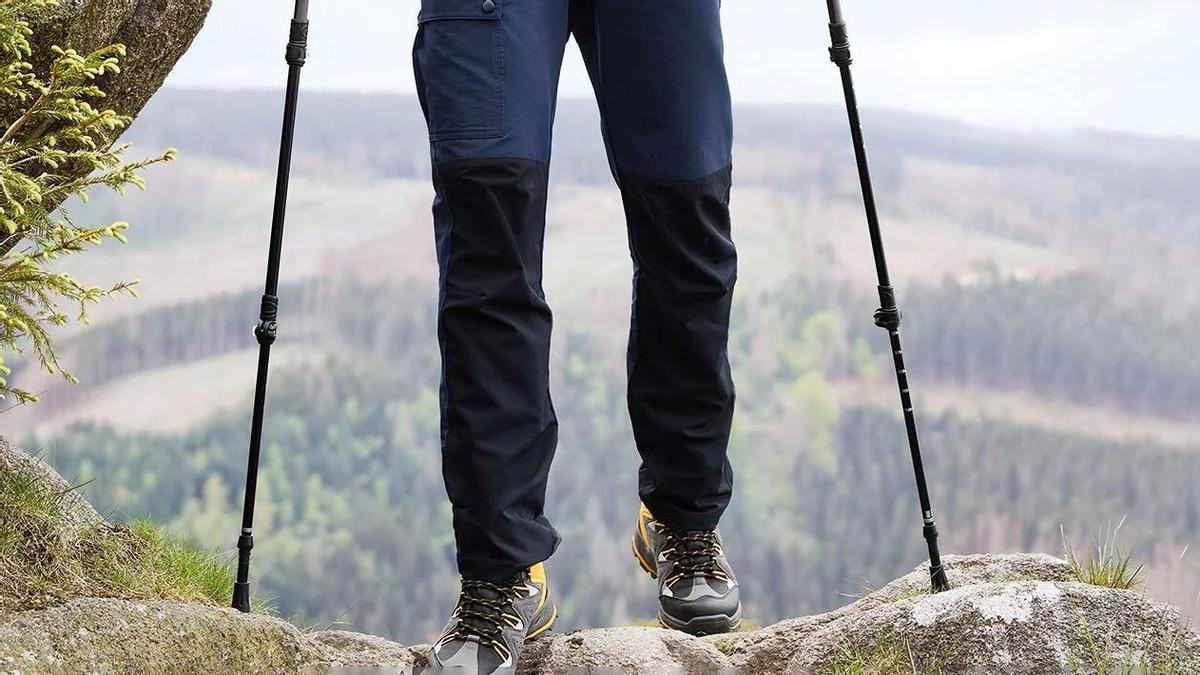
58,147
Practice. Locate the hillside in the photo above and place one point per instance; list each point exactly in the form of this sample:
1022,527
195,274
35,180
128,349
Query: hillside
1047,331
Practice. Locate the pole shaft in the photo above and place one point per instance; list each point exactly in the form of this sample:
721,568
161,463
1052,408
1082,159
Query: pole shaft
265,331
864,179
282,177
888,314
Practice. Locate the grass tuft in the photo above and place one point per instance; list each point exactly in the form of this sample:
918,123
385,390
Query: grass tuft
46,558
1106,564
174,569
890,653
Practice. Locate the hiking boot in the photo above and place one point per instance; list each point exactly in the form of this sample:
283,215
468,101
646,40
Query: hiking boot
697,592
491,622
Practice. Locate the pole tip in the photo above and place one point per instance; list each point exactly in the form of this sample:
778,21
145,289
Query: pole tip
937,577
241,596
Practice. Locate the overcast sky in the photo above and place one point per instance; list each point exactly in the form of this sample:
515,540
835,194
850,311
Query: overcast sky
1130,65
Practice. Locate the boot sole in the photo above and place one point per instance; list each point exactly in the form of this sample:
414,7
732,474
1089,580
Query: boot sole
703,625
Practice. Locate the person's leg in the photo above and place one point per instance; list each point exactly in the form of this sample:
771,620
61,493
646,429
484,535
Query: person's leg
487,77
659,75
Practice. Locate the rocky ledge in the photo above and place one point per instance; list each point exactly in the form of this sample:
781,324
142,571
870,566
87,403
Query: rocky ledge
1017,613
1020,613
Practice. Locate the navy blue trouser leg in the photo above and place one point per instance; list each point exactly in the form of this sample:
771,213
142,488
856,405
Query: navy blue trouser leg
487,76
659,76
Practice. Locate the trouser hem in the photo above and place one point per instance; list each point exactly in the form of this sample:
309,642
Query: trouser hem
680,519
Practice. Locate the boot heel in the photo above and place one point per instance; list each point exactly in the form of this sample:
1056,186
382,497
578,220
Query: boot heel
644,565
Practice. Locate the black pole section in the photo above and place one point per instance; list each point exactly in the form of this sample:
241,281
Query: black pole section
888,315
265,330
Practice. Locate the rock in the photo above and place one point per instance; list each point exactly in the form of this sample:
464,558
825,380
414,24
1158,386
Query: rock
126,636
107,635
346,652
76,510
627,650
1007,613
156,33
1015,613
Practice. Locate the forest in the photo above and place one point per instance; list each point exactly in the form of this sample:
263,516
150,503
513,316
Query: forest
1045,280
352,500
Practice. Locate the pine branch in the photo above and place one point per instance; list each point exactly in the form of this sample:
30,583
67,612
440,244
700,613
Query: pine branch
60,145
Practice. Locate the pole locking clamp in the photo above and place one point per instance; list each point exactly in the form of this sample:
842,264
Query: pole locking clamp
297,46
839,53
266,329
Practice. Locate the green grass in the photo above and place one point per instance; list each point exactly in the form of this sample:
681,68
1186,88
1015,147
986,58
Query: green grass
46,559
176,569
1106,564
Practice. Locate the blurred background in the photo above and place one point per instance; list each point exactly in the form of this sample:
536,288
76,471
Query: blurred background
1038,178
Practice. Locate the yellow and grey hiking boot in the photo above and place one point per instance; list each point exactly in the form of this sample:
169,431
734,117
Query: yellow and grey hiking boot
491,623
697,592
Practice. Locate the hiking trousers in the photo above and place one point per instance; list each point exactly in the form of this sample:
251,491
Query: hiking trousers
487,78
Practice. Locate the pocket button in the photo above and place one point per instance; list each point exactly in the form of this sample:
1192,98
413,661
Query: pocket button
488,6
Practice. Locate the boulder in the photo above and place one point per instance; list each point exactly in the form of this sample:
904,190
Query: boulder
1019,613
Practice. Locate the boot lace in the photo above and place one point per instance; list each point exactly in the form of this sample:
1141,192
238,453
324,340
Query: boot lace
692,553
484,610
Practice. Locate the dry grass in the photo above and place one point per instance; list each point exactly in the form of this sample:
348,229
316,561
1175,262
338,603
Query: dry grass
909,594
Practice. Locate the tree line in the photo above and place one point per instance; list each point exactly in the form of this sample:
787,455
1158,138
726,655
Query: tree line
354,527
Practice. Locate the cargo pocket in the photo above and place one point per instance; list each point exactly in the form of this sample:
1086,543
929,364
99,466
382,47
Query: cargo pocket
459,61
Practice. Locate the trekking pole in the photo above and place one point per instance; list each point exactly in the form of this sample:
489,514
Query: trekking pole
888,315
264,332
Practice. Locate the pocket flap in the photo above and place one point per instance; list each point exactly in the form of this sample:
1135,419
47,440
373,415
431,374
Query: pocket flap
482,10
